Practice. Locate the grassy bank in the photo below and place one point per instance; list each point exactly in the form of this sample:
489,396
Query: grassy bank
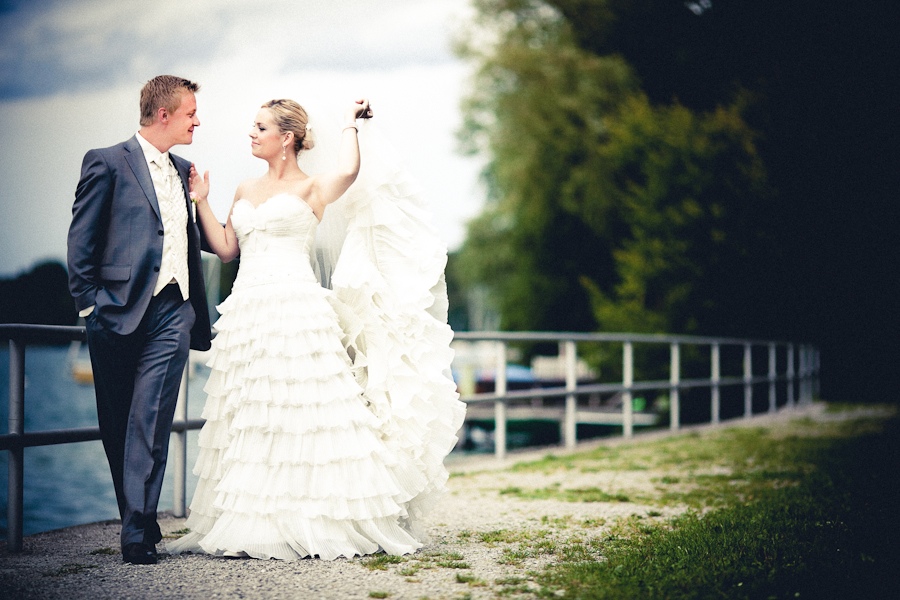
793,508
805,510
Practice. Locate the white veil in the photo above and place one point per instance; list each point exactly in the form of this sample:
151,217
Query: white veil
377,249
325,124
382,178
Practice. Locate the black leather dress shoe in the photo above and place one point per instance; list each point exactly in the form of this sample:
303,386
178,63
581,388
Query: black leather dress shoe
152,534
139,554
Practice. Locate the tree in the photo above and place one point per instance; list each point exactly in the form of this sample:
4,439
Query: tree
537,112
687,187
605,210
39,296
816,76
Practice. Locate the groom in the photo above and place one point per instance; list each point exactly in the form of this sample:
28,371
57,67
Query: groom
135,274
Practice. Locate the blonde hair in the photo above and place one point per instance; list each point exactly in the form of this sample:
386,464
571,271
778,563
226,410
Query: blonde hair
163,91
290,116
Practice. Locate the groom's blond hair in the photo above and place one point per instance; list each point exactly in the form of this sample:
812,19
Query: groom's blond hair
163,91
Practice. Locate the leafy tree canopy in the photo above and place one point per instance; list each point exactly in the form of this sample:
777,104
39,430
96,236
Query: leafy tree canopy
605,210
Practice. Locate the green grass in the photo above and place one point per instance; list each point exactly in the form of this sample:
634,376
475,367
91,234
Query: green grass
470,579
799,508
807,511
380,562
591,494
413,563
177,534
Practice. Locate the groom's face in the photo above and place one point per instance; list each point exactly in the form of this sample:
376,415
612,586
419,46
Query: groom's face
181,123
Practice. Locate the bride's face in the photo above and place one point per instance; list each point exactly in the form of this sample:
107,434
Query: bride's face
265,139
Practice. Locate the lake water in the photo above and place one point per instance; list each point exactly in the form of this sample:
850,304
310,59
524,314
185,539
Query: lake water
70,484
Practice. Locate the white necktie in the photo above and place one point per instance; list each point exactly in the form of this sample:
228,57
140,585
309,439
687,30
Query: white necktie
171,179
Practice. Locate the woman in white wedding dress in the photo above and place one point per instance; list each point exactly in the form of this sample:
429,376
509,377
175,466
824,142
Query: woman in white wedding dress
329,411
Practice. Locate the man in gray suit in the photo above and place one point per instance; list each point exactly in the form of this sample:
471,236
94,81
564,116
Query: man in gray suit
136,276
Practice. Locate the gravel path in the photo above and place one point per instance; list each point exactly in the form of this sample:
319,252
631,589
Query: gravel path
472,552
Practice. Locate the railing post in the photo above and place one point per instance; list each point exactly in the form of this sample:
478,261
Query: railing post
628,382
803,374
500,404
790,376
810,372
748,381
674,392
715,377
817,367
570,428
773,400
16,468
179,449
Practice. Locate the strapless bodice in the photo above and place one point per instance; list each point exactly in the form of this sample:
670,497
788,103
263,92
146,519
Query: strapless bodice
275,239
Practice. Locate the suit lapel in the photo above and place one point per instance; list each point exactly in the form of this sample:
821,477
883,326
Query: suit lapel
135,158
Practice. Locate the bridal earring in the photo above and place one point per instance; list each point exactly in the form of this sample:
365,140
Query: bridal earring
284,153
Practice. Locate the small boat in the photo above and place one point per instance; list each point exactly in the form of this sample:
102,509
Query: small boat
79,365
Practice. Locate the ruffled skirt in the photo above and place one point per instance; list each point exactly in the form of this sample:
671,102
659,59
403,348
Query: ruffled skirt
293,462
329,414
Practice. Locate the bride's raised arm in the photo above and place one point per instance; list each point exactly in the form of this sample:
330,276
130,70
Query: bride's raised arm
331,185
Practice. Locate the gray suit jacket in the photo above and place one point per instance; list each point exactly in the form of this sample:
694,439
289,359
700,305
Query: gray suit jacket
116,239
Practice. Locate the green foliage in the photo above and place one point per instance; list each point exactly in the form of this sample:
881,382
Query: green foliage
686,185
537,112
605,210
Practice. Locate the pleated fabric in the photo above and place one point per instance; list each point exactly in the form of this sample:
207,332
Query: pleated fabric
391,276
328,413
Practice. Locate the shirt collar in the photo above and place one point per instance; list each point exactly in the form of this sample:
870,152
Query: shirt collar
151,153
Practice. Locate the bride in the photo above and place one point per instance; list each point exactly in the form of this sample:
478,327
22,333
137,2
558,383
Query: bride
329,411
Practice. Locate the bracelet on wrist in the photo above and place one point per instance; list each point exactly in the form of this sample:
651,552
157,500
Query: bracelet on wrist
351,126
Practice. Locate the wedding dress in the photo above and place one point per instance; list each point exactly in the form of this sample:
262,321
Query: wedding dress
329,411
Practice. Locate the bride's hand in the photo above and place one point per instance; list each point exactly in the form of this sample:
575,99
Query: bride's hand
361,110
198,186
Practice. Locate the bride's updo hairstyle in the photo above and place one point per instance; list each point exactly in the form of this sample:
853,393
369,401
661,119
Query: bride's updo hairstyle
290,116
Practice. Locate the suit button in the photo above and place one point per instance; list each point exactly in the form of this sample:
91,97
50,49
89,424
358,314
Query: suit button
156,269
160,232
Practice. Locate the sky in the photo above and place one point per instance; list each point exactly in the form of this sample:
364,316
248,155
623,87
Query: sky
71,73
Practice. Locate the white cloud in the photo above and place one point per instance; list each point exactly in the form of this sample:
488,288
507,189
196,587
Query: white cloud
73,44
243,53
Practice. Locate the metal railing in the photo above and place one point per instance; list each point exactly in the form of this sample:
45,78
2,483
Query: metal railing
803,378
15,442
